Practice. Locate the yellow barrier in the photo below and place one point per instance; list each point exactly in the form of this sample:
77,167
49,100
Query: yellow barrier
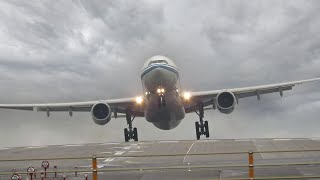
94,168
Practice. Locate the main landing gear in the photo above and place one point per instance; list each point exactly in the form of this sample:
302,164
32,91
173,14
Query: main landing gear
202,128
130,133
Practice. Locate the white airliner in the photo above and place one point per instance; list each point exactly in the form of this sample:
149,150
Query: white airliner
163,103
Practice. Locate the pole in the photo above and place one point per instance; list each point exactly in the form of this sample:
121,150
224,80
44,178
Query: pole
251,167
55,171
94,168
76,171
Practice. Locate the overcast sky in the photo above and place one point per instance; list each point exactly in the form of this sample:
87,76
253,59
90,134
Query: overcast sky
60,51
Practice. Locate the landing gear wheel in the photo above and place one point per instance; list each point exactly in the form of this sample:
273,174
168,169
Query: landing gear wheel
130,133
206,128
126,135
202,127
135,134
197,130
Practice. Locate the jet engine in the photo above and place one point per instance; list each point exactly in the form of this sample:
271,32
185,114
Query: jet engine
101,113
226,101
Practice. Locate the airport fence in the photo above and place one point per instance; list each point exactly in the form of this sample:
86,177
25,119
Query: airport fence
92,171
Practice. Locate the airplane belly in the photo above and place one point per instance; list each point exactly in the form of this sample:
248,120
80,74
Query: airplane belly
168,116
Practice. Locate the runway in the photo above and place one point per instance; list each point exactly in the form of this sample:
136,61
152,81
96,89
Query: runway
112,158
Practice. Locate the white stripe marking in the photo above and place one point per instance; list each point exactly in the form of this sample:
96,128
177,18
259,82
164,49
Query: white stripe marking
127,147
105,152
210,140
118,153
168,141
135,151
188,152
117,147
34,147
108,160
73,145
100,166
242,140
282,139
108,143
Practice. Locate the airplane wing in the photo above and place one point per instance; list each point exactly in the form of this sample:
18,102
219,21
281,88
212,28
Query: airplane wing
119,105
208,97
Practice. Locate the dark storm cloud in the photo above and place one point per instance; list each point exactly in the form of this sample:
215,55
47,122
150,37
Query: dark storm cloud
86,50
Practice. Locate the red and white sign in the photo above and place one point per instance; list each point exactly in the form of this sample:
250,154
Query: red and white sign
31,170
45,164
15,177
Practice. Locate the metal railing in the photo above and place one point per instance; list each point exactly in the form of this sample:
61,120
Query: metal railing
251,165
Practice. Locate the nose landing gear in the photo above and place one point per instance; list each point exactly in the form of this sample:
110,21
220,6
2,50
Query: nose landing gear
202,127
161,101
130,133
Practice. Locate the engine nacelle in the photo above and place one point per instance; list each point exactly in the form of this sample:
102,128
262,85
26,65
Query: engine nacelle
226,101
101,113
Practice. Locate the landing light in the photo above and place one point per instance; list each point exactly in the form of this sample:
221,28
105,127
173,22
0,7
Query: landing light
160,90
139,100
186,95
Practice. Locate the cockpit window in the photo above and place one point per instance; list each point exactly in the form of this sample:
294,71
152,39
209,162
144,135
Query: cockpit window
158,62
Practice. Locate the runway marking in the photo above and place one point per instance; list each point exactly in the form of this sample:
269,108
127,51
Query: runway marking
209,140
118,153
73,145
282,139
127,147
117,147
135,151
188,152
242,140
145,143
35,147
100,166
108,159
168,141
106,152
111,143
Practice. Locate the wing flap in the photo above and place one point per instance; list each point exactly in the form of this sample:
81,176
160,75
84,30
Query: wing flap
261,91
120,104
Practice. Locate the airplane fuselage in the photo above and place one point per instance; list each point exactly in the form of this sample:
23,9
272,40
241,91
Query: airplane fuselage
163,104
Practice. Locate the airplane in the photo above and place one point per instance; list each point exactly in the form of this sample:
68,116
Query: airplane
163,103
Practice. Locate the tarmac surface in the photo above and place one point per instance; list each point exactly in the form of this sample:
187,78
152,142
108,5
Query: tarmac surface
185,166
